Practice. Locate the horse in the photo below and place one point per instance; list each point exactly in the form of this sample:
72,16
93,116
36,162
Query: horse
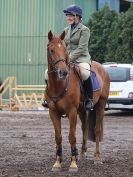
63,95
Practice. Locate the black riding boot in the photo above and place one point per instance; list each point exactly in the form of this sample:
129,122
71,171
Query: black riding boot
89,90
45,104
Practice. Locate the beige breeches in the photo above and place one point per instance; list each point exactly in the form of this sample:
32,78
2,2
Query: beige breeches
84,69
46,74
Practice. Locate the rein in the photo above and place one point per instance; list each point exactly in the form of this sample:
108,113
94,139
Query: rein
62,94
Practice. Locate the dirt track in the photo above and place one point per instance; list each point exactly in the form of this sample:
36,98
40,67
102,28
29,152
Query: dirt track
27,147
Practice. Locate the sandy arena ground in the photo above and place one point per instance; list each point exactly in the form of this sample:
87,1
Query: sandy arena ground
27,146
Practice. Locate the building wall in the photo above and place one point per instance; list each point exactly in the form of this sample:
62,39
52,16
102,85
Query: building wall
23,38
88,6
113,4
23,34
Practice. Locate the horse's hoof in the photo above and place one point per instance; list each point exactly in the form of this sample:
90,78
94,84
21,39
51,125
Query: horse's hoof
73,167
73,170
56,169
99,162
56,166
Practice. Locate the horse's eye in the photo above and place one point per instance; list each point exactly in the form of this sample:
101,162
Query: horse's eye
52,51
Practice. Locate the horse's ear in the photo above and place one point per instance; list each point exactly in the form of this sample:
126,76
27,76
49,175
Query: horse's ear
62,36
50,35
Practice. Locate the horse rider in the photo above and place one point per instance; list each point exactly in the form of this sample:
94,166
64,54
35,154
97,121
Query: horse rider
76,39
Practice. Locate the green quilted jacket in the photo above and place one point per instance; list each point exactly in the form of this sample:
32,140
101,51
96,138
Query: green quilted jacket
77,43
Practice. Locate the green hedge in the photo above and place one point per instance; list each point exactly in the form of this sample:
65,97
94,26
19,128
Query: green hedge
111,36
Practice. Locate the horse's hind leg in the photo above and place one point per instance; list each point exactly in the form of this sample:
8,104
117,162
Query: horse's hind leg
99,129
58,138
83,117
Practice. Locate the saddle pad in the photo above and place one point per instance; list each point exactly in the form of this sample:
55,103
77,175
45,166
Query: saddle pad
95,82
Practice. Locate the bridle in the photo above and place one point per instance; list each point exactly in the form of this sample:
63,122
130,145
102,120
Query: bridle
53,64
52,60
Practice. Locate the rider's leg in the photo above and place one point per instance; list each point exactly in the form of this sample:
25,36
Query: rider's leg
85,76
45,104
89,88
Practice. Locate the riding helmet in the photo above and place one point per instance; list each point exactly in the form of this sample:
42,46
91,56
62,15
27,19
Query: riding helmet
73,10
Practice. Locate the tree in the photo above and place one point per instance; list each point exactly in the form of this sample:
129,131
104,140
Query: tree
100,25
120,48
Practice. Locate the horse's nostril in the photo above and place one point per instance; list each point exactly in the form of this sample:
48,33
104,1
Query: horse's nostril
63,73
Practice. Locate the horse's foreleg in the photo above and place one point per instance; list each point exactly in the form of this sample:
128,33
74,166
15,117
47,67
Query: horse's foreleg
58,138
99,131
72,139
83,117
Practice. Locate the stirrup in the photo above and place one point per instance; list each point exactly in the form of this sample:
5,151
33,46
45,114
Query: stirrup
89,104
45,104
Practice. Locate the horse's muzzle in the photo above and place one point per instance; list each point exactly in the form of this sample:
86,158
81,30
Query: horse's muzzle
62,74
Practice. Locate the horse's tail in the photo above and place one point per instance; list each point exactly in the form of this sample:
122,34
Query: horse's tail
92,125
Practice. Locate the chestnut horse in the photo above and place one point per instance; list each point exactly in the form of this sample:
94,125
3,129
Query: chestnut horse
63,96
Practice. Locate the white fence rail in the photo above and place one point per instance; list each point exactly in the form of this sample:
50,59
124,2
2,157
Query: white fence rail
21,96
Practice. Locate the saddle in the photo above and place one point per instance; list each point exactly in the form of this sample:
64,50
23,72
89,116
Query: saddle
94,80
